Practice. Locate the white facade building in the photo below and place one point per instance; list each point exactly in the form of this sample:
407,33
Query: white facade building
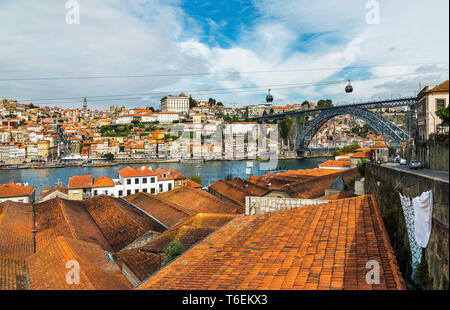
179,104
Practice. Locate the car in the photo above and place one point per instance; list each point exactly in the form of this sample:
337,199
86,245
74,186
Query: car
403,161
415,164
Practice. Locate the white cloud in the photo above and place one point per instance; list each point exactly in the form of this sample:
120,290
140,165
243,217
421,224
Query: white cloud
118,37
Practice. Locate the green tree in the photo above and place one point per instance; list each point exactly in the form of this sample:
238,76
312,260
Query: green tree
271,111
151,109
211,102
325,103
285,127
174,250
392,151
346,149
135,122
220,104
196,179
192,102
362,167
108,156
442,113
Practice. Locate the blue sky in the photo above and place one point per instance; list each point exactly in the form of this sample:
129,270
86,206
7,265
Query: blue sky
282,42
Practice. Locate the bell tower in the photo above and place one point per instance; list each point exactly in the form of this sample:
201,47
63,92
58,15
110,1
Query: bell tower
85,104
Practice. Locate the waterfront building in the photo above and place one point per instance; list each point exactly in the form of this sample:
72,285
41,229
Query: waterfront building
130,181
17,193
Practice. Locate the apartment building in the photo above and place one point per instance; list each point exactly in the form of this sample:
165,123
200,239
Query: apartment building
130,181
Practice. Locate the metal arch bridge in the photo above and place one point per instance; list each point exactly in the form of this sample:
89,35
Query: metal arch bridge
387,129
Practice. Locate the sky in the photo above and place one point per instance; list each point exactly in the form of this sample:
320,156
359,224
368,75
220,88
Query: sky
230,50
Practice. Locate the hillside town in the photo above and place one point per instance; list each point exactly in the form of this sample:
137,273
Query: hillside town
181,129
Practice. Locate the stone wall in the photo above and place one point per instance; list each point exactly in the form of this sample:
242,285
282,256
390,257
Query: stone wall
433,156
261,205
384,183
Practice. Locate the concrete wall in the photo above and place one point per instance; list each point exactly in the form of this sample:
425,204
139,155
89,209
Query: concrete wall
433,156
261,205
384,183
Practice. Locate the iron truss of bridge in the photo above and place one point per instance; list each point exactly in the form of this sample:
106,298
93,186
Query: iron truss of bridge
305,131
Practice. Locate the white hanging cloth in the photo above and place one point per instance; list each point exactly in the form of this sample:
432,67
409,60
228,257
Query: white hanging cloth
423,214
408,213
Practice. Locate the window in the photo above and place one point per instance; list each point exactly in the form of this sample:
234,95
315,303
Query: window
128,181
128,192
120,193
95,192
160,188
136,191
440,103
136,181
152,180
144,180
170,187
145,190
106,192
152,190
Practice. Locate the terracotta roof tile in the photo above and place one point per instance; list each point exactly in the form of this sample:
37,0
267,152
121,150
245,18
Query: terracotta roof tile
48,191
47,267
81,181
199,201
324,246
103,182
379,145
14,190
164,211
120,223
16,243
61,217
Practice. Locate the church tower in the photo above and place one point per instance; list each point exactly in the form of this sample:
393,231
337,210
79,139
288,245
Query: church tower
85,104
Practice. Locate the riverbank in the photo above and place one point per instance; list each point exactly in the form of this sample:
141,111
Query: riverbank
210,171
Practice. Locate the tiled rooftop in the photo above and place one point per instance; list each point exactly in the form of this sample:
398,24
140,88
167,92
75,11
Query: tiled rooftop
47,267
16,243
15,190
167,213
81,181
198,201
120,223
323,246
61,217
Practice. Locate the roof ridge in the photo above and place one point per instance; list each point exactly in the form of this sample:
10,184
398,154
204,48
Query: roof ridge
66,218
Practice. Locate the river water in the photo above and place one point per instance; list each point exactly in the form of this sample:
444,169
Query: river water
210,171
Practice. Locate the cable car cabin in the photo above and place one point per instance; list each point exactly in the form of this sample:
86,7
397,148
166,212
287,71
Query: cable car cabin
269,97
349,88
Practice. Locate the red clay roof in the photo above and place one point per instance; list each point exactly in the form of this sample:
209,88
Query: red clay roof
443,87
47,267
14,190
237,189
81,181
120,223
164,211
61,217
336,163
103,182
324,247
199,201
380,145
48,191
16,243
